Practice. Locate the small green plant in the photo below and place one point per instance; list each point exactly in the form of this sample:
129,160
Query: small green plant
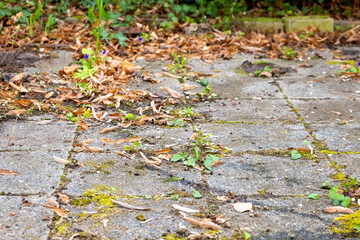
98,27
196,194
33,18
145,37
166,26
135,148
296,155
70,116
179,65
85,88
176,122
187,112
207,90
50,24
338,198
289,52
241,34
266,72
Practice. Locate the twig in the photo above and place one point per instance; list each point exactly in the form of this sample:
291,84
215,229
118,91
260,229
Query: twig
11,133
45,45
349,30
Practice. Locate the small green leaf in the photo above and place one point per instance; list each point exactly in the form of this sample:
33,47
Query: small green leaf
345,202
175,197
147,196
204,82
69,115
295,155
209,160
357,227
121,38
326,185
247,235
178,157
313,196
307,143
196,194
190,162
87,51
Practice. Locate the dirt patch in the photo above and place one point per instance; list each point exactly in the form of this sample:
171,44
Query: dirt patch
11,62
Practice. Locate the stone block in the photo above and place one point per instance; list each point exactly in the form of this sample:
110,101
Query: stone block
262,24
299,23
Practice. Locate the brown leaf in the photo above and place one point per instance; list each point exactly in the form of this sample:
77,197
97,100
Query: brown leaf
52,202
63,198
242,207
59,211
71,69
185,87
8,172
83,126
109,129
193,136
124,140
173,93
338,209
17,77
128,206
16,112
60,160
162,151
204,223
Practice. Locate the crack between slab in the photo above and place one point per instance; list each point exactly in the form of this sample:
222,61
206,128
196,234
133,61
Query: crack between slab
61,186
21,194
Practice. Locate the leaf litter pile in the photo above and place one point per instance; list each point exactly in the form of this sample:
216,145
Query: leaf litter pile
99,85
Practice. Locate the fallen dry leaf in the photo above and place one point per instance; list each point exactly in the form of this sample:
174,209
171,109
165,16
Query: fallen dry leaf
128,206
52,202
83,126
173,93
109,129
338,209
162,151
90,149
58,211
16,112
124,140
61,160
185,87
203,223
184,209
242,207
8,172
44,122
64,198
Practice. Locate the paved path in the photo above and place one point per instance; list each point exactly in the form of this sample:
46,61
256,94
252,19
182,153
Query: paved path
258,118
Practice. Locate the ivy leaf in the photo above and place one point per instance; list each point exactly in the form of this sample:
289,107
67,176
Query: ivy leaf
204,82
196,194
326,185
190,162
121,38
313,196
295,155
345,202
209,160
178,157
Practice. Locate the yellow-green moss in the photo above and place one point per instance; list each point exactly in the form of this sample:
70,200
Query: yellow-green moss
173,237
140,217
346,224
101,196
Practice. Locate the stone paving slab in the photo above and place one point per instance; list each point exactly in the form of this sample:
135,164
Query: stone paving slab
253,174
291,218
132,177
255,137
246,110
39,172
21,221
328,111
30,136
339,137
351,162
310,88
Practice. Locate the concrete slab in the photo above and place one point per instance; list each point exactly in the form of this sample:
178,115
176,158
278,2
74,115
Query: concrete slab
39,172
328,111
30,136
351,162
23,218
326,88
262,110
255,174
131,177
244,137
339,137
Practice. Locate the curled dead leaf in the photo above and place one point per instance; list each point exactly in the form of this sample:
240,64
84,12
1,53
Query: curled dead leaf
203,223
109,129
8,172
83,126
184,209
61,160
173,93
128,206
338,209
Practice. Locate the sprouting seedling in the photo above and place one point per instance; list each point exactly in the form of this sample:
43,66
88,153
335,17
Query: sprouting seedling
309,146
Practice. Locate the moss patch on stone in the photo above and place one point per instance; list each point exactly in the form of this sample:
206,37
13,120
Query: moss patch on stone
346,224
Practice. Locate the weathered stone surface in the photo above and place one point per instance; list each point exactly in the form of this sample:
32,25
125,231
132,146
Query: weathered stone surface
254,174
131,176
299,23
39,173
243,137
261,110
30,136
24,218
328,111
351,162
261,24
339,137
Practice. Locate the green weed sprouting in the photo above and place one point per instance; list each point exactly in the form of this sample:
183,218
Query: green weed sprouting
33,18
50,24
289,52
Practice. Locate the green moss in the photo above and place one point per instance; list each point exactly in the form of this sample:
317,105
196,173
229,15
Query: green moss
346,224
140,217
260,19
173,237
342,62
262,62
101,196
242,72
